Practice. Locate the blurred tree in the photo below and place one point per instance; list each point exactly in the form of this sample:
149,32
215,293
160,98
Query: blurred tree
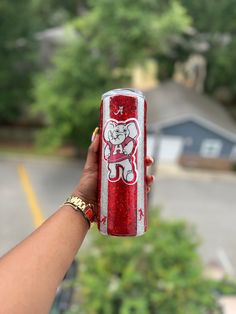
68,94
216,27
113,36
159,272
16,57
50,13
212,17
20,21
221,60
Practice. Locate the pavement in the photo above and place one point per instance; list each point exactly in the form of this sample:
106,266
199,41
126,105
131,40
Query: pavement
207,200
32,188
228,304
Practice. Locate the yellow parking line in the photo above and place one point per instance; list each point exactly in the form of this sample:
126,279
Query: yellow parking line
36,212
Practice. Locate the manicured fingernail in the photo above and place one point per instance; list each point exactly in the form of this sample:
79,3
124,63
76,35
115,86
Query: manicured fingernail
95,132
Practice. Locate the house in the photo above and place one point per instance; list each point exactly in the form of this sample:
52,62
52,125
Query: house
189,128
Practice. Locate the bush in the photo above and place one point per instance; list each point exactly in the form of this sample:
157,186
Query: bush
159,272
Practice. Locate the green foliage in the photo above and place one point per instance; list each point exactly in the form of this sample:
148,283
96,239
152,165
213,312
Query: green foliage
112,37
16,57
126,32
224,287
20,22
220,69
69,94
210,16
159,272
216,20
50,13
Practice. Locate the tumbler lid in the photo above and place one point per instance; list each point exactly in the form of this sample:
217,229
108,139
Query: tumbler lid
123,91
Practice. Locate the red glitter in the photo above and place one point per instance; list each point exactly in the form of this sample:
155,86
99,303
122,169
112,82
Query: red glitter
123,213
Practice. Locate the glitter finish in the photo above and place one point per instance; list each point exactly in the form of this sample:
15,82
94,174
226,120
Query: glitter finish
141,195
122,188
103,188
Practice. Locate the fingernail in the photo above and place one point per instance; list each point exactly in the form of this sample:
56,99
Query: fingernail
95,132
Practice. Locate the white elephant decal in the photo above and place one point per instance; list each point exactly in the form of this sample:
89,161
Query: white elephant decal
121,138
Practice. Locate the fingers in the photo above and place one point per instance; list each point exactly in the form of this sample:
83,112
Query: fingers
149,161
149,181
92,157
95,132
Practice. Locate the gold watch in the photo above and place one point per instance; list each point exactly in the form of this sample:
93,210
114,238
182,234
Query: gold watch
78,204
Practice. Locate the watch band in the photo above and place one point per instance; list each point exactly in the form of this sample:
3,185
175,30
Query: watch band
78,204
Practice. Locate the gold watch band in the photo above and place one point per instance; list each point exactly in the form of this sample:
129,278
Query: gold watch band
79,205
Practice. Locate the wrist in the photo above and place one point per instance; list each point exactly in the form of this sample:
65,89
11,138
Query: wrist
81,205
76,217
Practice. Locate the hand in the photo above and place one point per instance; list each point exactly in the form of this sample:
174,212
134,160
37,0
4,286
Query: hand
87,187
149,179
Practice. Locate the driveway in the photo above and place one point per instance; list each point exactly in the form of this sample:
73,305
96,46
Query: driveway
50,181
206,199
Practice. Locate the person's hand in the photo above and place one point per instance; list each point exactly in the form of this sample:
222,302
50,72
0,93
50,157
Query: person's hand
149,161
87,187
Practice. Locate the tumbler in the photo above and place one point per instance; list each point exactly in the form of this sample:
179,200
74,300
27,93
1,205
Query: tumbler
122,197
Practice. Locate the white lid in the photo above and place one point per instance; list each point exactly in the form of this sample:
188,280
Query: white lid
123,91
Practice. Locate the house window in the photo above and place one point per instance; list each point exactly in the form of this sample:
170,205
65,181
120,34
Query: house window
233,153
211,148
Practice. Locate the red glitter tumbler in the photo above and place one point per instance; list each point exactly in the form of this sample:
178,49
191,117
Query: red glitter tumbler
122,209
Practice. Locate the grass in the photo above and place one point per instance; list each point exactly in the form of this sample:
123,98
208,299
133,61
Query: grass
32,150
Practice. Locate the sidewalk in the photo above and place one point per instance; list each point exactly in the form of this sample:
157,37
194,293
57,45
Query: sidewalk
174,170
228,304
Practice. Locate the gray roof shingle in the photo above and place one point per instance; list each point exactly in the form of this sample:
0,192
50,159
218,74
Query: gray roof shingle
170,102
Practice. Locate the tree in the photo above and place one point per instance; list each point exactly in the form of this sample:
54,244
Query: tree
214,37
212,17
112,37
221,59
215,25
20,22
51,13
16,57
159,272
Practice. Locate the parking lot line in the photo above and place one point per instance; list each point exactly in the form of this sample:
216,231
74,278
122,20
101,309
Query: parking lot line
225,261
33,203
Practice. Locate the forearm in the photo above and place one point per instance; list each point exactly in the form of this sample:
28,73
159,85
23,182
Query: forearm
31,272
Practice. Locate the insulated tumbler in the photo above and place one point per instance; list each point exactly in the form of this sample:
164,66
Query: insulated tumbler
122,200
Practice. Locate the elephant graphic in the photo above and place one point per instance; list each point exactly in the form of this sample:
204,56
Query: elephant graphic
121,138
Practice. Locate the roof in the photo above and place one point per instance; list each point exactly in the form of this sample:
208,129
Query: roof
171,102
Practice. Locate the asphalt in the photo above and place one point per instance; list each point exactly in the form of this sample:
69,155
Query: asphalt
207,200
51,179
